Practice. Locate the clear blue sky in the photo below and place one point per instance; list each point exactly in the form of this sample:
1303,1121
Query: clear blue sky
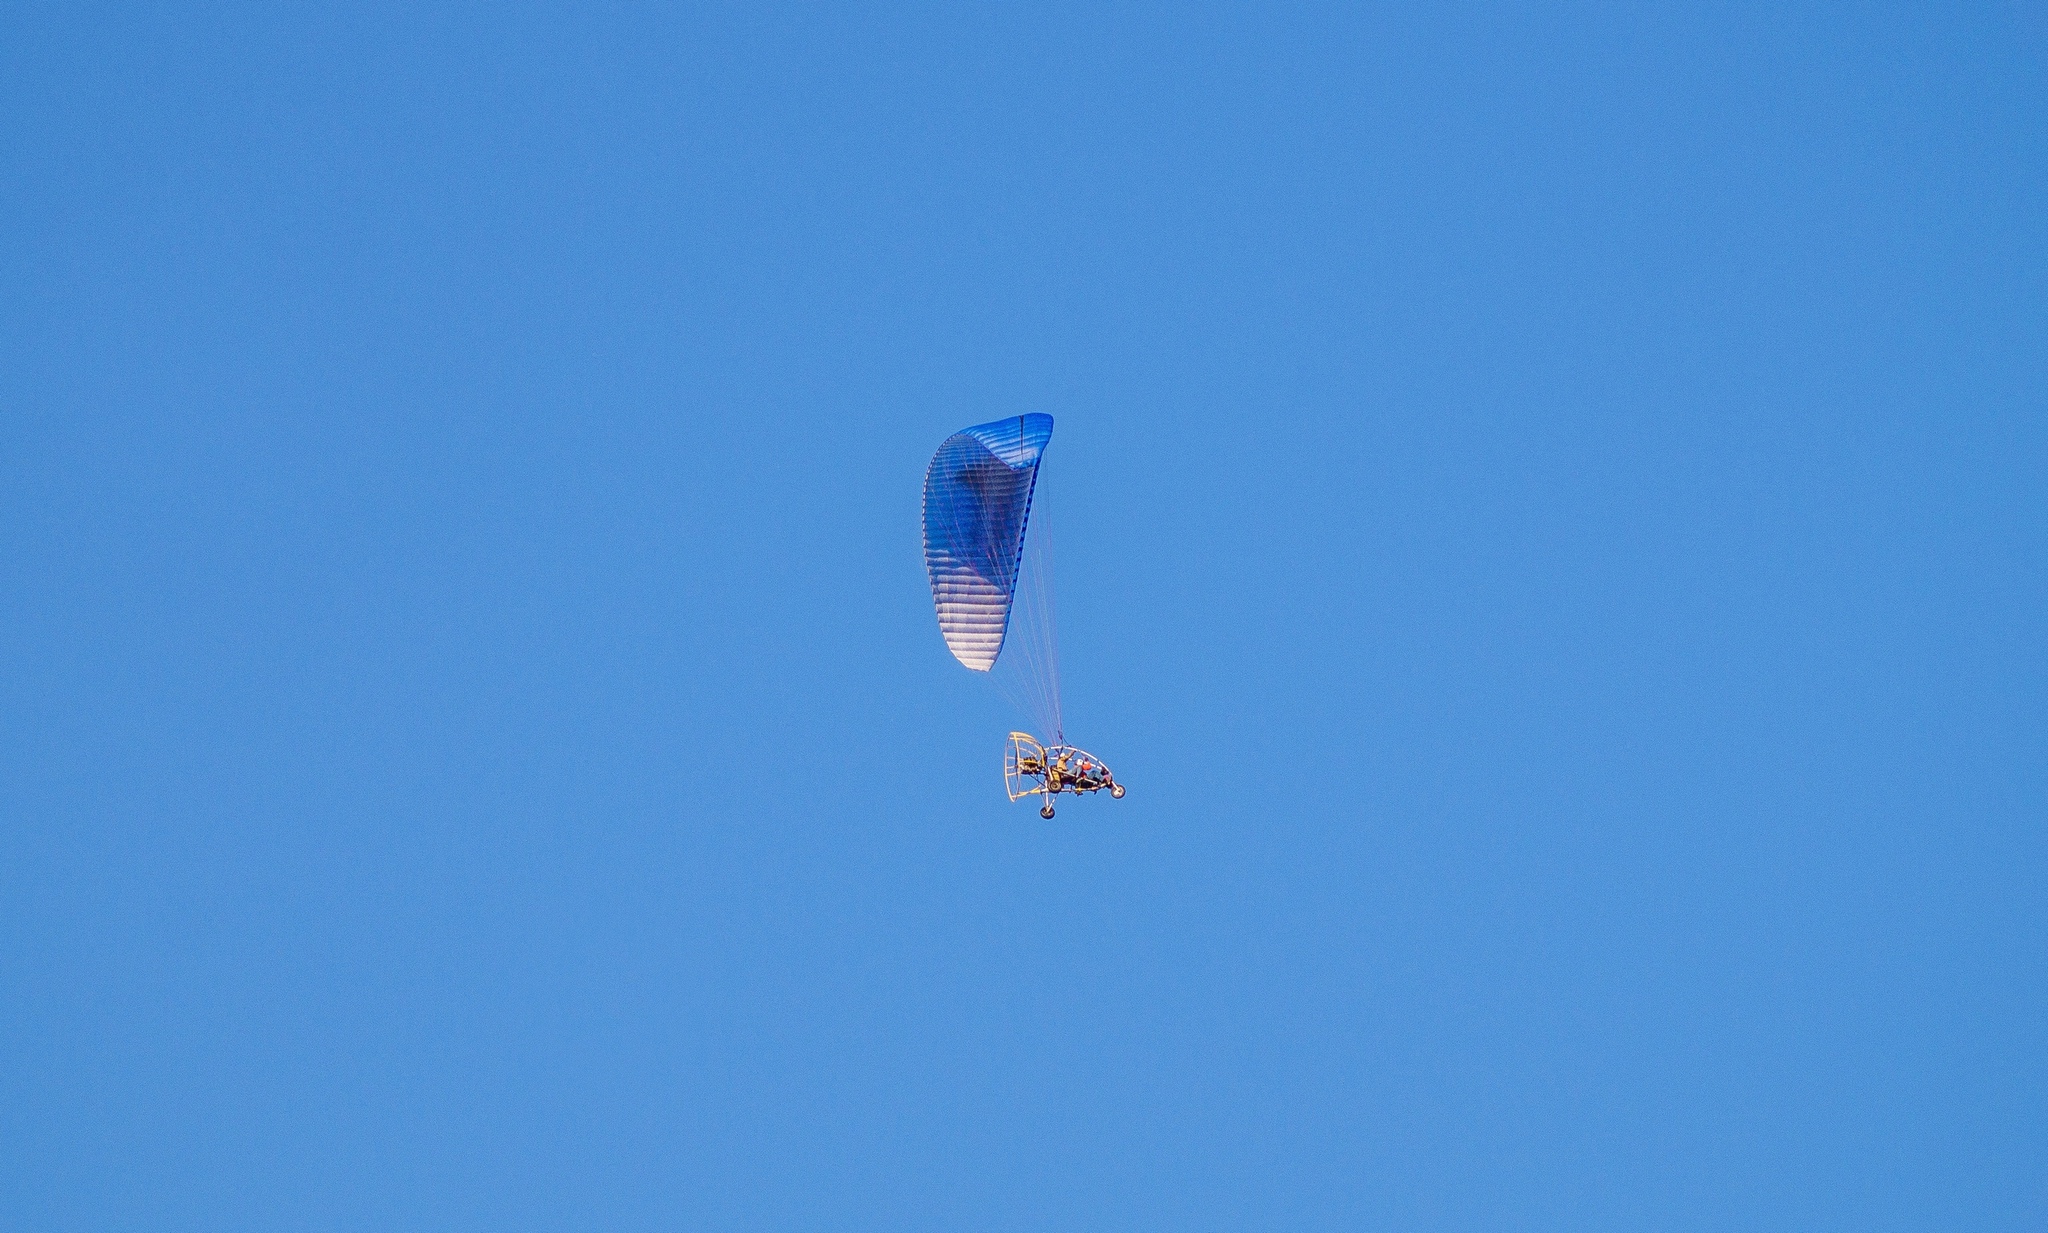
1552,525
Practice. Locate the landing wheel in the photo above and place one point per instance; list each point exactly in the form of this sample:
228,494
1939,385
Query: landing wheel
1116,790
1045,810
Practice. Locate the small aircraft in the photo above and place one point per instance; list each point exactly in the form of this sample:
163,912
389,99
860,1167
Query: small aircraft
1032,769
977,506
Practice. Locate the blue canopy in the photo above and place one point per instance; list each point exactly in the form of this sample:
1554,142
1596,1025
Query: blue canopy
977,498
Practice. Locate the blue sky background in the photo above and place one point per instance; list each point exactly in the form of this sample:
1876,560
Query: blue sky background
1551,522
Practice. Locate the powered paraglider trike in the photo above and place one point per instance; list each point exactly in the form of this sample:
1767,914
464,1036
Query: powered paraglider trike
977,508
1032,769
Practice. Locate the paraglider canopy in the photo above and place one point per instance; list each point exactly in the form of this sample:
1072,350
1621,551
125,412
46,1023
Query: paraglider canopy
977,502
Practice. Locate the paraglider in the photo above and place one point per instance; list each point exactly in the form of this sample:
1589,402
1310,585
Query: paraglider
977,511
